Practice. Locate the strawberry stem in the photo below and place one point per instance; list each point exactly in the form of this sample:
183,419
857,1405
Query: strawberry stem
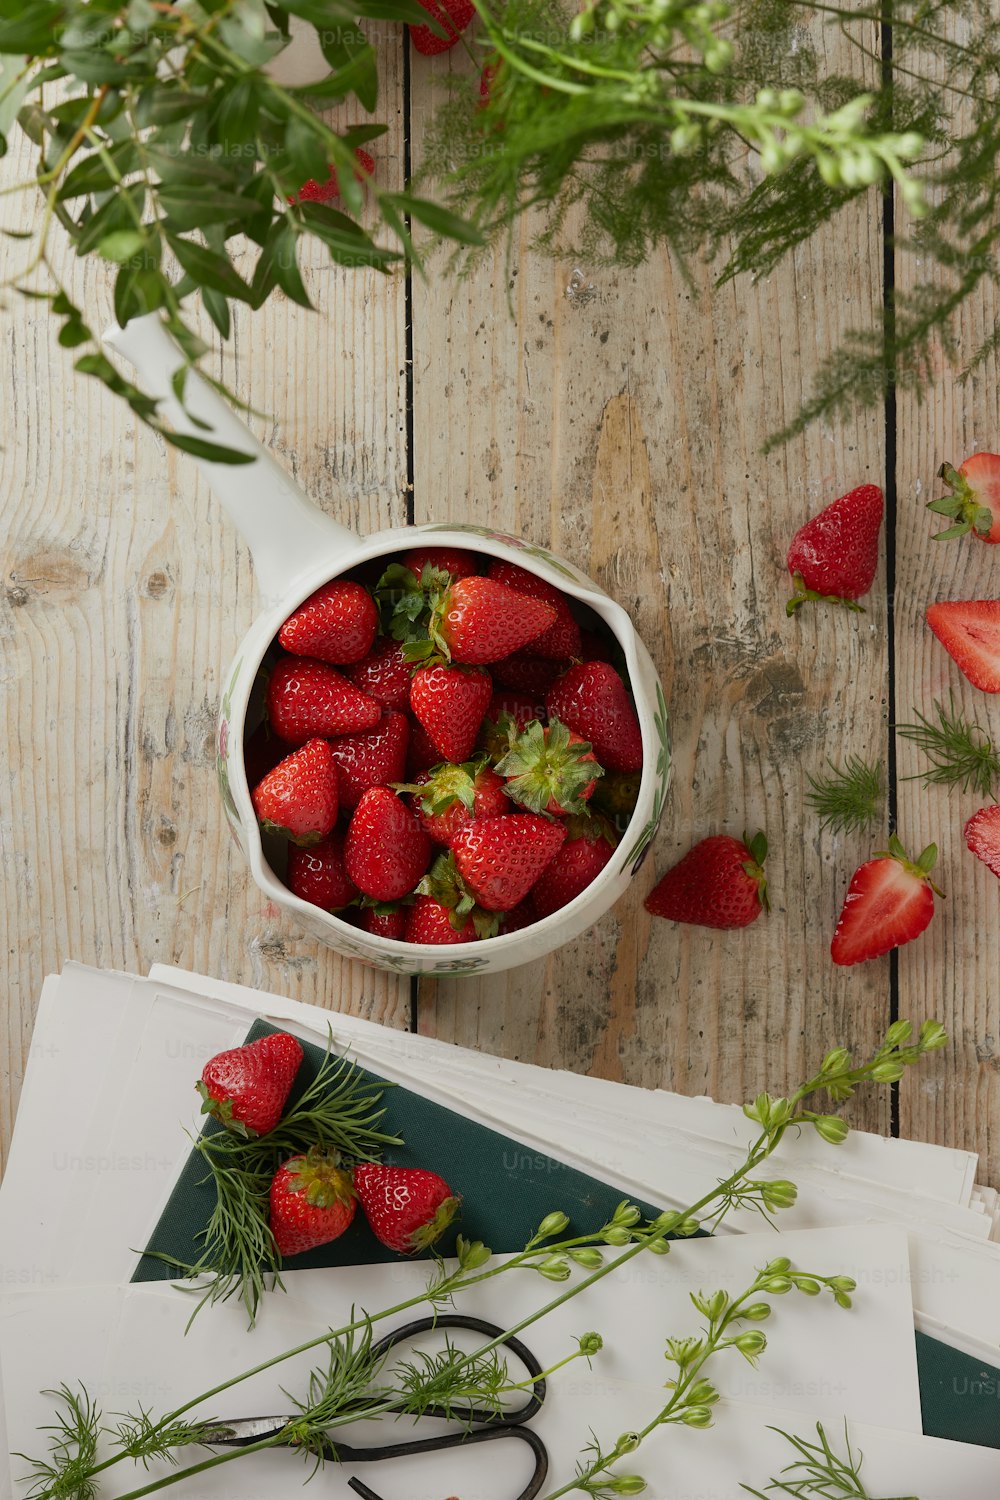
803,595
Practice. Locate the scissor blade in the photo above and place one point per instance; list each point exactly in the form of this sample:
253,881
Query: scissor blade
242,1431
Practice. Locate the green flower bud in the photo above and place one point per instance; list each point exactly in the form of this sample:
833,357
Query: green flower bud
932,1036
767,99
554,1268
627,1214
779,1194
888,1072
471,1253
778,1266
551,1225
791,101
688,1227
665,1223
627,1443
832,1128
590,1344
909,145
626,1484
616,1236
751,1342
772,157
778,1285
837,1061
684,138
870,168
697,1416
588,1257
842,1283
716,1305
703,1393
757,1312
581,25
808,1285
898,1033
719,56
657,1246
829,170
683,1351
842,1299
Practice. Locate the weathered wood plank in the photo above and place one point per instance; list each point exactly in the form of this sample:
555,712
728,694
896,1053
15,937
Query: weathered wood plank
623,427
125,594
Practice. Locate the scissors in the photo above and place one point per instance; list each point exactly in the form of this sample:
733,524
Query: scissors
492,1426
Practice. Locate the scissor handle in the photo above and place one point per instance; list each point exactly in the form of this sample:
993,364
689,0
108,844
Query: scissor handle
477,1325
462,1440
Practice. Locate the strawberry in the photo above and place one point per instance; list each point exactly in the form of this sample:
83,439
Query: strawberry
718,883
974,502
834,556
479,620
453,15
549,770
423,753
384,674
262,751
969,630
562,639
449,797
592,699
589,845
335,624
312,1202
386,851
308,698
317,874
427,921
595,647
326,192
444,886
519,917
982,835
450,560
408,1208
889,901
449,702
521,708
500,859
383,919
374,758
245,1089
487,78
298,799
526,673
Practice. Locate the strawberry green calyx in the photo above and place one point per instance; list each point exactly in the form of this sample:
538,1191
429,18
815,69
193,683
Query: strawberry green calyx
446,785
319,1177
428,1234
803,595
921,867
446,886
222,1110
546,766
303,840
754,866
962,506
407,604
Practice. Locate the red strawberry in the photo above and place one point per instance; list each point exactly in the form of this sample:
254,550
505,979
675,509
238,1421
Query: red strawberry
335,624
318,874
384,674
383,920
718,883
526,673
518,706
299,797
549,770
834,556
423,753
501,858
312,1202
427,921
581,859
449,702
487,78
453,15
450,560
374,758
448,798
308,698
326,192
519,917
982,834
974,502
245,1088
408,1208
479,620
593,700
562,639
969,630
889,901
386,850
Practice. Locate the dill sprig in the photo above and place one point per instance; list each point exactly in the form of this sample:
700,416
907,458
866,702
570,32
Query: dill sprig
819,1473
66,1472
959,750
850,799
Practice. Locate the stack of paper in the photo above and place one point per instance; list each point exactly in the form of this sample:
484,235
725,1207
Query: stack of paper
100,1142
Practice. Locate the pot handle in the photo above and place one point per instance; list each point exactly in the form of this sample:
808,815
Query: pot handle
287,534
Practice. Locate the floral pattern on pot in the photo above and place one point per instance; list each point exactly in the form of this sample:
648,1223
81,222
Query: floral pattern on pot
640,848
222,751
518,544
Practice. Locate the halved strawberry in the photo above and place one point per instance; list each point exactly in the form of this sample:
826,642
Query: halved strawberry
384,674
335,624
834,556
549,769
501,858
449,701
307,698
718,883
317,874
386,851
982,835
453,15
374,758
299,797
974,502
889,901
969,630
326,192
562,639
593,700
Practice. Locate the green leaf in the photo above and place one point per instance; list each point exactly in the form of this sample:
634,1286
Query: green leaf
163,103
286,266
33,31
235,120
201,448
100,67
346,241
307,151
73,334
407,11
121,211
189,207
218,310
439,219
121,245
96,172
209,268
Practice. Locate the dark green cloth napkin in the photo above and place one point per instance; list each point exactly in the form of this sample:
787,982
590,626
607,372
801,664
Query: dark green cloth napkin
506,1190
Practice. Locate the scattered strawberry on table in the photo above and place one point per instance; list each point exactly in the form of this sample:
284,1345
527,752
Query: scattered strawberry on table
969,630
448,726
974,503
452,15
834,556
718,883
408,1208
329,191
246,1088
889,902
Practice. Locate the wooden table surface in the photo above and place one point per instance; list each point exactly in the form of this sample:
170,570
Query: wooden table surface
617,416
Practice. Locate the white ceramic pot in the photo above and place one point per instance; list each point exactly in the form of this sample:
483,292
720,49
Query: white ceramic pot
295,549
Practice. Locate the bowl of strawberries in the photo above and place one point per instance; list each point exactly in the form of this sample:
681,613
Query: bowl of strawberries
442,749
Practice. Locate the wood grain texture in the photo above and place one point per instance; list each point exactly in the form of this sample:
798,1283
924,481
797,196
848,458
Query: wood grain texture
618,417
124,595
954,971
